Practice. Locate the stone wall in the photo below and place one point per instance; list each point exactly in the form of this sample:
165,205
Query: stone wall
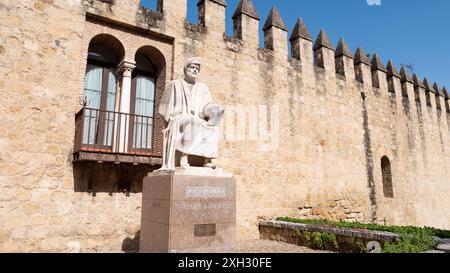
45,205
332,129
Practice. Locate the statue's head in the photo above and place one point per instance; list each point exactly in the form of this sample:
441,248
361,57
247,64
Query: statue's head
192,69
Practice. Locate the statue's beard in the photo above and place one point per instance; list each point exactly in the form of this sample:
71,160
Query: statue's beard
191,78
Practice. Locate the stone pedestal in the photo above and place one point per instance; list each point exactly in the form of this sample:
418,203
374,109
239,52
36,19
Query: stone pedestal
188,211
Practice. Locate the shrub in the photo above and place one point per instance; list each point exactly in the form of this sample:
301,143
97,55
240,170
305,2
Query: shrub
320,240
416,241
412,239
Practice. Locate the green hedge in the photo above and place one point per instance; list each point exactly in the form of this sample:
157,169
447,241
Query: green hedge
412,239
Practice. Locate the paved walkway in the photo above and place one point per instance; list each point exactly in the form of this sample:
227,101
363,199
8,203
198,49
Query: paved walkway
266,246
444,245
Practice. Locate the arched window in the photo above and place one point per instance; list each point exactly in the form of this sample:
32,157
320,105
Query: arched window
143,89
388,189
105,53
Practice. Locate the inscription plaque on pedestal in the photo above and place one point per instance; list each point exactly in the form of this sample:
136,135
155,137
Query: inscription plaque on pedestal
188,213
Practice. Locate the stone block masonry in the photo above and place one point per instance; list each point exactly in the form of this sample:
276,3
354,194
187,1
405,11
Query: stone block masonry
339,115
184,213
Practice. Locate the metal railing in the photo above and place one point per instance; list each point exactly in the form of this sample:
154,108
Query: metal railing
113,132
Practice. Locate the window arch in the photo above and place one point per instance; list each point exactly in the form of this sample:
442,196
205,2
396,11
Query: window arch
148,83
386,170
100,86
143,90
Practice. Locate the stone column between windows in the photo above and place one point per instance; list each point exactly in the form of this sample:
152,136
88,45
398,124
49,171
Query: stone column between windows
126,69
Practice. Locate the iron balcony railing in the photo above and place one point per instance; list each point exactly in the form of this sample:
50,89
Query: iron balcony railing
113,132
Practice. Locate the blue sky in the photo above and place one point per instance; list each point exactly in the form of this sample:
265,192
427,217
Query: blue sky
407,31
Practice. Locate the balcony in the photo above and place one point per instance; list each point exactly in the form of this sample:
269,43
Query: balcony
105,136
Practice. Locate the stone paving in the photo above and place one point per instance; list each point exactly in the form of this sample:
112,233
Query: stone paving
267,246
444,245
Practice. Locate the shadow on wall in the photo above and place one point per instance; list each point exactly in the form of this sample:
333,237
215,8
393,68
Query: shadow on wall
93,177
131,245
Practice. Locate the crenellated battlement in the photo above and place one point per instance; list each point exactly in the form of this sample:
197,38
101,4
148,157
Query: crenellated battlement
319,52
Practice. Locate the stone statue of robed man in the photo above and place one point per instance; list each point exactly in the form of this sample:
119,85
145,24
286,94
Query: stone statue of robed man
192,120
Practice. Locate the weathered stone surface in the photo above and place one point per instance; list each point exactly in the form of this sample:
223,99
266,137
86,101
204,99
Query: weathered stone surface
323,40
246,7
445,92
392,70
444,247
438,90
417,81
220,2
377,64
361,57
427,85
274,20
405,77
300,31
342,49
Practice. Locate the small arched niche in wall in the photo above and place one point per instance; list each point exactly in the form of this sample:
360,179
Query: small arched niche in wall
386,170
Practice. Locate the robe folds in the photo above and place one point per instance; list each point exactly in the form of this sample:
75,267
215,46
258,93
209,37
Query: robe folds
187,132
